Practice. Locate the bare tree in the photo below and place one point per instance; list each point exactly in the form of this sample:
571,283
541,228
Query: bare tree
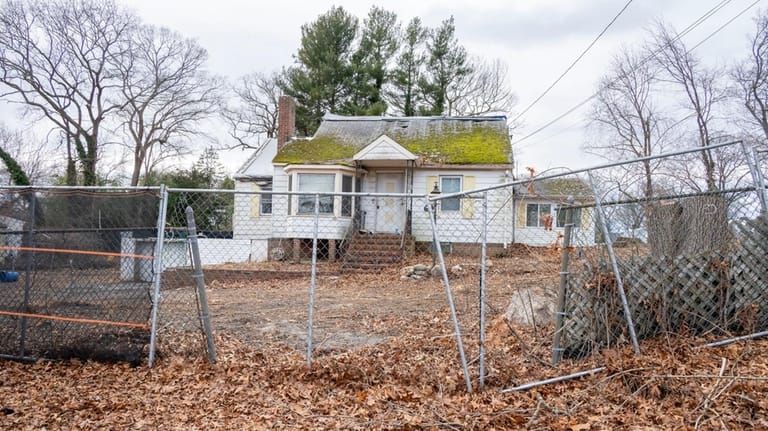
751,76
484,90
701,85
252,115
57,57
166,94
29,153
628,119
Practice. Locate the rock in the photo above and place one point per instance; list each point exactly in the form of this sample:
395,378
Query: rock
530,307
436,271
457,270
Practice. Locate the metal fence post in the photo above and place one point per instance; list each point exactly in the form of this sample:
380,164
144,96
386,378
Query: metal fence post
557,349
28,271
614,264
456,327
313,279
483,260
202,297
757,175
158,270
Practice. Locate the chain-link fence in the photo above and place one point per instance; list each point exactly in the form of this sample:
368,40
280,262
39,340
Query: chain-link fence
72,285
610,255
647,247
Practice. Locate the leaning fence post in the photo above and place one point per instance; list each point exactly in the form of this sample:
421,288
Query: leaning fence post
757,175
557,348
205,315
439,250
313,280
614,264
157,271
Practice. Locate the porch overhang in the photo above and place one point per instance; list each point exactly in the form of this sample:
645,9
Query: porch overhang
383,149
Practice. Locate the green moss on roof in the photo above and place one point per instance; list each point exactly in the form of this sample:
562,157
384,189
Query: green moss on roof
321,149
565,187
477,145
443,143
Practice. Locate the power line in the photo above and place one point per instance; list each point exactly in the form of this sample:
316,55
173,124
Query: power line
727,23
568,69
687,30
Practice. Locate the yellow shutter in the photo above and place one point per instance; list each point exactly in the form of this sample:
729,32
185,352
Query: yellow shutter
467,204
521,213
431,180
586,218
255,204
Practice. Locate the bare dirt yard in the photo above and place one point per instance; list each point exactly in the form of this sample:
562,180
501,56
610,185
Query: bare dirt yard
385,357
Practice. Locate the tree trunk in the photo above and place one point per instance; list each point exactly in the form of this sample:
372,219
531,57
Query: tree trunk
664,230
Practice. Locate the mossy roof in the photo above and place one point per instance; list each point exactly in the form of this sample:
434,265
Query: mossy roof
435,140
561,187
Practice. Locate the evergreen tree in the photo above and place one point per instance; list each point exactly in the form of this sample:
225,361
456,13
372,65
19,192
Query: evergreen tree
320,80
446,63
378,44
403,94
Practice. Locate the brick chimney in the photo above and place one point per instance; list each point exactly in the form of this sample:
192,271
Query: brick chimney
286,120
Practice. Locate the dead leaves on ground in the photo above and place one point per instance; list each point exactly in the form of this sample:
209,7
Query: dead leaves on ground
407,383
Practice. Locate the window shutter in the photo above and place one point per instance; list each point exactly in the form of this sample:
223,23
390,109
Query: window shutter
468,205
521,213
586,218
255,204
431,180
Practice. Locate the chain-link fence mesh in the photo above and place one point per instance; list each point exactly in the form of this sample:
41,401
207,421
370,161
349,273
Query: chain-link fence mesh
692,263
265,247
643,252
338,271
74,288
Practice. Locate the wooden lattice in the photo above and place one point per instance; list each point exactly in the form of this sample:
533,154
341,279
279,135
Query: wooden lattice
723,291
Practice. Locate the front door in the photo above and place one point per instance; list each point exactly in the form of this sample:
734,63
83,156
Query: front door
390,211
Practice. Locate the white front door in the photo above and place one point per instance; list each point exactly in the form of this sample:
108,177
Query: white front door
390,211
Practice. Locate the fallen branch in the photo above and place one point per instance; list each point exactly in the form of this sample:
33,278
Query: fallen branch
736,339
553,380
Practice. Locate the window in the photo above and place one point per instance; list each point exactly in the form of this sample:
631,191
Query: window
346,201
266,200
315,183
561,217
450,185
538,215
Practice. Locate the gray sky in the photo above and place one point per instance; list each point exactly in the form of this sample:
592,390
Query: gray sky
538,39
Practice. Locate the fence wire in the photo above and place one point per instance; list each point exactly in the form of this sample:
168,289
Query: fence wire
643,248
72,288
324,273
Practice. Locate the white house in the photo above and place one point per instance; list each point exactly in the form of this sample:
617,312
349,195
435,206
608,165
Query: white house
405,157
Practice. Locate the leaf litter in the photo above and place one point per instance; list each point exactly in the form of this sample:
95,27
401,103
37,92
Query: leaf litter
401,370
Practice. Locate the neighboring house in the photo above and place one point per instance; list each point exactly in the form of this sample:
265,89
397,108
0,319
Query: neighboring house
541,217
382,155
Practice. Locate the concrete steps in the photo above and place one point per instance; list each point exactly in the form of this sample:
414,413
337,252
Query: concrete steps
371,251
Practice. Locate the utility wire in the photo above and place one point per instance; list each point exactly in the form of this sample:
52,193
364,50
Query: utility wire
568,69
687,30
727,23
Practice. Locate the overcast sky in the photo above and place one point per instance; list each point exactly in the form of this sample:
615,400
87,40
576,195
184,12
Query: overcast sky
538,39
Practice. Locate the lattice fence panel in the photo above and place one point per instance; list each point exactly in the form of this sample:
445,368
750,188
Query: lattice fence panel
715,291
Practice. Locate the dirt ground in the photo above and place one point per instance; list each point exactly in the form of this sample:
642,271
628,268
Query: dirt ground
386,357
353,309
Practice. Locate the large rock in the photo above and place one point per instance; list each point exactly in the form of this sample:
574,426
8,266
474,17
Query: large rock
531,307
